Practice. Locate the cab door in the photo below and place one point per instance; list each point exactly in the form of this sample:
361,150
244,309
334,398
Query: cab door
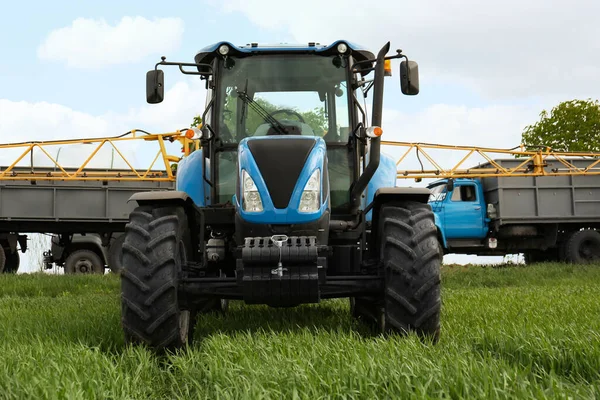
464,213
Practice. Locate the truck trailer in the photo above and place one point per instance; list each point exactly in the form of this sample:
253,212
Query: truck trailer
547,218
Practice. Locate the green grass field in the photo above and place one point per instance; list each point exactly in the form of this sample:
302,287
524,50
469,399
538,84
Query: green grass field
511,332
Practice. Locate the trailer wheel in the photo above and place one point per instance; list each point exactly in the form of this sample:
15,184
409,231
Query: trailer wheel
583,247
115,253
13,261
410,262
157,242
84,262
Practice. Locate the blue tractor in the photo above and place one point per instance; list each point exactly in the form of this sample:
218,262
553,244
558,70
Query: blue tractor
288,201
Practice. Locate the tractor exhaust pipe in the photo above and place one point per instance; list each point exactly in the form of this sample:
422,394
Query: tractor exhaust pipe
376,119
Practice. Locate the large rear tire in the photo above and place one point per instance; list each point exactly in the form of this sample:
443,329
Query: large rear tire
410,263
157,242
583,247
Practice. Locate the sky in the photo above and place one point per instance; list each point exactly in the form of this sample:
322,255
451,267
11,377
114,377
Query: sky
487,69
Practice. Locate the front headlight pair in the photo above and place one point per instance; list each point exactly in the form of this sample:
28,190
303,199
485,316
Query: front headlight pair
310,201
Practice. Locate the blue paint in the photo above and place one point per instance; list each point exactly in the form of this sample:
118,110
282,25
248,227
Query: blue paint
460,217
384,177
290,214
189,177
301,48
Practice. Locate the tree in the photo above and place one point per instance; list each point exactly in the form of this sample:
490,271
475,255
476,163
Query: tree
570,126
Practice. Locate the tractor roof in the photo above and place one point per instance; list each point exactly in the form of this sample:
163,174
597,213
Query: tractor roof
207,54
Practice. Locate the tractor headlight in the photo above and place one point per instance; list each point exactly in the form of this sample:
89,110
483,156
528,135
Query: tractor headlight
251,201
311,195
224,49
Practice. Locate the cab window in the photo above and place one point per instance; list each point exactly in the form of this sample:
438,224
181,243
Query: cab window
464,193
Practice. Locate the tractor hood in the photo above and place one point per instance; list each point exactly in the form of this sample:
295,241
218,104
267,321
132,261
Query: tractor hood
282,179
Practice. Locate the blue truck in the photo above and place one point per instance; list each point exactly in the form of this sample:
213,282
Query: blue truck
547,218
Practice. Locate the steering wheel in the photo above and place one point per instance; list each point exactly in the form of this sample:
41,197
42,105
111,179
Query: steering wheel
288,112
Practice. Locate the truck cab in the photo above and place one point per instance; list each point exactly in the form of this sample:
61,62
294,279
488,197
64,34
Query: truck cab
460,213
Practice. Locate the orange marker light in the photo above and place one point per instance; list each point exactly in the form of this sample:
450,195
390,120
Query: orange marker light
374,131
387,66
190,133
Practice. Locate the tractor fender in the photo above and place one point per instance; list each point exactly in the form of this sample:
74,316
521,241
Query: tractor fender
160,196
396,195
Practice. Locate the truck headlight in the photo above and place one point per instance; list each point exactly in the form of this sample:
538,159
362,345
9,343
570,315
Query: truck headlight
251,201
311,195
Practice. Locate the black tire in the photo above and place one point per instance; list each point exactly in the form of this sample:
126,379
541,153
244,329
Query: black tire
157,241
12,263
583,247
2,260
115,252
84,262
410,263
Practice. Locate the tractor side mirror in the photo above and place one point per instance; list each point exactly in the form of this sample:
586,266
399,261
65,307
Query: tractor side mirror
155,86
409,77
450,185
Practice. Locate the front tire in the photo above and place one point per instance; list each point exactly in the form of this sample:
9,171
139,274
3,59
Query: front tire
410,264
157,244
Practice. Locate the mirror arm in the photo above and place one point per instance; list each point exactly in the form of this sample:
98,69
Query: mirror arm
181,65
398,55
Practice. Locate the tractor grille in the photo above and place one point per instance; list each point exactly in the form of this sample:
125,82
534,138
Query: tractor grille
280,162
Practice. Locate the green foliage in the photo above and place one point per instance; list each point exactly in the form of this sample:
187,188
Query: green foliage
196,122
316,119
511,332
570,126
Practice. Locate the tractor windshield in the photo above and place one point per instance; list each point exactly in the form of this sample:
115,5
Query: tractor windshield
283,94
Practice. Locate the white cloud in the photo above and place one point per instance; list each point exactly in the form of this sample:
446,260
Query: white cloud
491,127
502,49
90,43
20,121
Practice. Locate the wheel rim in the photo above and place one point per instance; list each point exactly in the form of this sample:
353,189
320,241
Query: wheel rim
589,251
84,266
184,315
184,325
381,320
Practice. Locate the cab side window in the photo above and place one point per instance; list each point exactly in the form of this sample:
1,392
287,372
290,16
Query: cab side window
464,193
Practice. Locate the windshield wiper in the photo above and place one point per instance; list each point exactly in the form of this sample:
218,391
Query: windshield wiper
262,113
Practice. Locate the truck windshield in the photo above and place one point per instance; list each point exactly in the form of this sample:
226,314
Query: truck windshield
438,192
304,94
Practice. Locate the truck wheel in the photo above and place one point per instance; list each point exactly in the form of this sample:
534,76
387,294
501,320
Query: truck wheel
115,253
157,242
84,262
2,260
583,247
13,261
410,262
